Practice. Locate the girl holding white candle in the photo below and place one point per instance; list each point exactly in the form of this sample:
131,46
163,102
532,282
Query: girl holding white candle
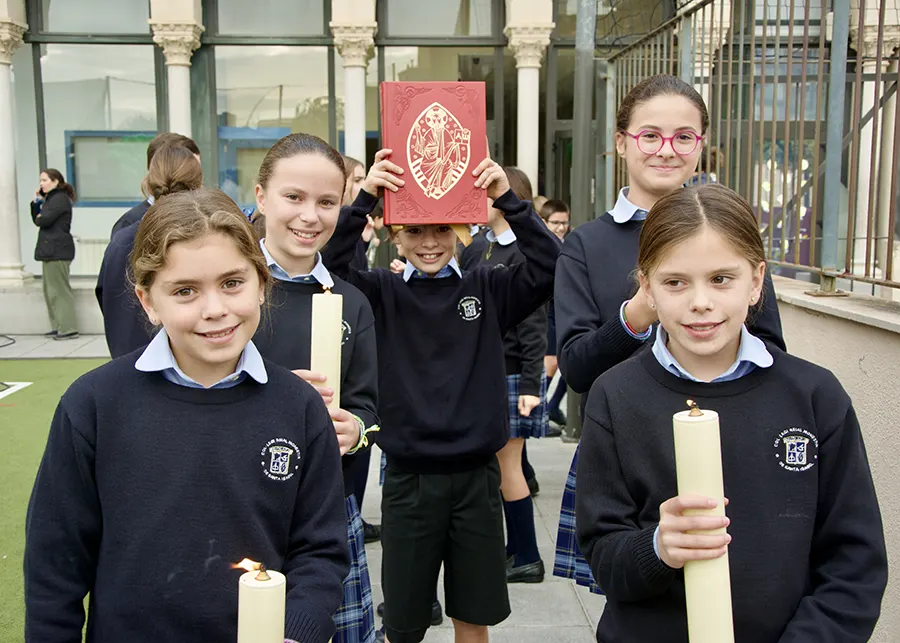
169,464
301,182
807,558
600,320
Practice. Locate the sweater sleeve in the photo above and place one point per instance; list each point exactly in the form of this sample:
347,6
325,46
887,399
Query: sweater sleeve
521,289
62,535
532,336
338,253
620,553
359,388
848,558
317,560
763,319
587,345
52,210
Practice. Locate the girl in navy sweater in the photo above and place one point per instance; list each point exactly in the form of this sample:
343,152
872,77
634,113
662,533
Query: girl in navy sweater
804,533
166,466
301,181
600,320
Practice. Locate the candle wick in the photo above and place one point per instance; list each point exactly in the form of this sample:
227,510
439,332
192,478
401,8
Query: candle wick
695,409
263,575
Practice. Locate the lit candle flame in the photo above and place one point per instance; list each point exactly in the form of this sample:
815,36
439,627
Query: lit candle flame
248,565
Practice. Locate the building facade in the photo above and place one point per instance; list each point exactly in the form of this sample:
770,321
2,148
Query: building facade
93,80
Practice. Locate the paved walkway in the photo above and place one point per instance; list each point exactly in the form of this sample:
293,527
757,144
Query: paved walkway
555,610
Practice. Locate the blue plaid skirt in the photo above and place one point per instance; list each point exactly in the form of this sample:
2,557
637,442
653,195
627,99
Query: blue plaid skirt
355,618
570,563
535,425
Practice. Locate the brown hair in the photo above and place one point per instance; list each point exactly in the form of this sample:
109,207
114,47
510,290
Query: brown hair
173,169
56,175
660,85
294,144
679,215
170,139
551,207
518,182
187,216
538,203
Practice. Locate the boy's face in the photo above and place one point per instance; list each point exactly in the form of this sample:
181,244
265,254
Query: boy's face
428,247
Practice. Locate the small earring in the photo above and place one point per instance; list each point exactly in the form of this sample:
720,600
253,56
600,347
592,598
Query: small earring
753,299
652,306
261,300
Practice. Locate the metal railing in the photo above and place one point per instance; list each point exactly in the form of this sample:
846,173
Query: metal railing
803,108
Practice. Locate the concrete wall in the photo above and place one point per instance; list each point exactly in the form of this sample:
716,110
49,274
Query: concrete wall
858,339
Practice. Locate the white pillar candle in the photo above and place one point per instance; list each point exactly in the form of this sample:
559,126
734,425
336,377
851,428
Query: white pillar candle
261,598
707,583
326,337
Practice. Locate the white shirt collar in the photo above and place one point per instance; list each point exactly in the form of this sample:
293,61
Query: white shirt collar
624,210
319,272
751,350
158,356
451,267
507,237
151,200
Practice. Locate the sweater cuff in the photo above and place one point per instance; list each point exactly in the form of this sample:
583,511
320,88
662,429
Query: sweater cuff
300,626
651,568
509,203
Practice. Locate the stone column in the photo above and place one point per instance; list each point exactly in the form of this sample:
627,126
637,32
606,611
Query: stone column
710,26
354,42
178,42
864,38
528,44
11,267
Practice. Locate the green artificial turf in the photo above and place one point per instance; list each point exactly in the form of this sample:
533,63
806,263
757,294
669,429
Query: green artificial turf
24,422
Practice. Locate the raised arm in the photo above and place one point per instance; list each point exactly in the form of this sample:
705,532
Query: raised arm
587,344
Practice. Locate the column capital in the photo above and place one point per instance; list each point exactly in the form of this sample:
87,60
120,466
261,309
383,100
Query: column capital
178,40
528,43
11,38
864,37
354,42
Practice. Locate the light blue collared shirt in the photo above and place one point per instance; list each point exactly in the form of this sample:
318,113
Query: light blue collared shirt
447,271
158,357
319,272
752,353
504,239
625,211
151,200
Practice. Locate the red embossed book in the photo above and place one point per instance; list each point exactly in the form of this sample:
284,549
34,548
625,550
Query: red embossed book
438,132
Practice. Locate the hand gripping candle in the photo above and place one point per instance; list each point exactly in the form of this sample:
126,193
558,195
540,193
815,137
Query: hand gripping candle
326,338
261,598
707,583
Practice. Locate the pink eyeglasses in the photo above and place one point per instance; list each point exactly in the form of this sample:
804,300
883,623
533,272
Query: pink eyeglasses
650,142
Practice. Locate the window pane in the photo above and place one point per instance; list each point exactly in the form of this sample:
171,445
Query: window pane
93,93
615,18
260,97
96,16
278,18
373,106
449,18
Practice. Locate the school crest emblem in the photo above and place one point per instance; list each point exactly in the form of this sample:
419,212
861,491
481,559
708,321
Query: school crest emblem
437,150
280,459
796,449
469,308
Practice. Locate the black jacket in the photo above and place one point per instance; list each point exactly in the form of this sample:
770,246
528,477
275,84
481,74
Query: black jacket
54,218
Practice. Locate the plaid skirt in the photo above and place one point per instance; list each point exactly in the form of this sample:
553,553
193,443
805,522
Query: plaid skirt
383,467
570,563
355,618
535,425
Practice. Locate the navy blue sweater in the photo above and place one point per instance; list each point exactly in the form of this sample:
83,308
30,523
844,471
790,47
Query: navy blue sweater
807,559
593,278
284,337
124,321
442,382
149,492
